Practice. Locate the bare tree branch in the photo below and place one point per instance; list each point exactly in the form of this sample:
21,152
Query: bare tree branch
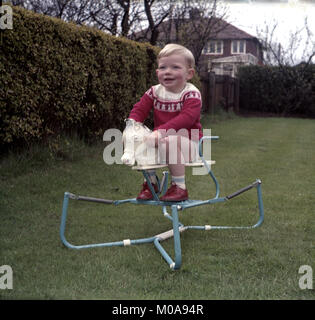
299,48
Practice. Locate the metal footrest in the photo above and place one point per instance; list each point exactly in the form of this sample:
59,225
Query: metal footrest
175,232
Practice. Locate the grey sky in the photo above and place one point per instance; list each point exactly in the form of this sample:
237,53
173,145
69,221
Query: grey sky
289,15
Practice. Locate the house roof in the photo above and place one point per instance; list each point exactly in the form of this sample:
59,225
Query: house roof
221,30
231,32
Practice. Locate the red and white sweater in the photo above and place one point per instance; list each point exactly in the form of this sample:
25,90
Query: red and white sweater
171,110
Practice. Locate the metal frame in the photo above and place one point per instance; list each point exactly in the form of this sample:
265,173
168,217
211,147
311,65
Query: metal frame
177,226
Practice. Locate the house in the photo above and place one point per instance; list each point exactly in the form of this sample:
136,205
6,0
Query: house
217,45
230,48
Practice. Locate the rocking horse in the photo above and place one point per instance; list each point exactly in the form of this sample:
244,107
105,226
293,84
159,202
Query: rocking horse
142,159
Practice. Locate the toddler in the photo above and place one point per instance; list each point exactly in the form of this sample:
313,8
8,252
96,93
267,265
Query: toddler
177,129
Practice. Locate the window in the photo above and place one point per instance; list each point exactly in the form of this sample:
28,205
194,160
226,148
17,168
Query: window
213,47
238,46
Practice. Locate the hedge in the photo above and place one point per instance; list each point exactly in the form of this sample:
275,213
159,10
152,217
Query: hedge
57,77
281,90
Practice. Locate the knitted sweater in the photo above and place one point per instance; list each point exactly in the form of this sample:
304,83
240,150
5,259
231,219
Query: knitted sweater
171,110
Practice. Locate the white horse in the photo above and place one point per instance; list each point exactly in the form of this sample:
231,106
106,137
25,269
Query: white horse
135,149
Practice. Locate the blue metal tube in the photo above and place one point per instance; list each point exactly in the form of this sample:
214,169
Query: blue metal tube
260,205
93,245
63,220
201,202
217,187
173,217
109,244
177,246
168,216
144,240
196,227
147,178
164,183
163,253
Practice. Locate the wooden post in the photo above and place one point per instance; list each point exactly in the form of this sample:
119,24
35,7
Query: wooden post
237,95
212,91
226,91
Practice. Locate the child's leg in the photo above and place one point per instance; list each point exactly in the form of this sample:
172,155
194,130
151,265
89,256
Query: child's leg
176,155
178,174
178,150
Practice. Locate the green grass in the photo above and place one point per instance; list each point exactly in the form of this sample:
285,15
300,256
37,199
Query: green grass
261,263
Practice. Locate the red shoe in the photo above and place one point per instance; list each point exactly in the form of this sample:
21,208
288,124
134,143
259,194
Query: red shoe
145,193
175,193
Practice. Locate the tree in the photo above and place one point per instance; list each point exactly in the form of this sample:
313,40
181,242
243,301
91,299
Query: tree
117,17
300,46
295,63
114,16
197,21
68,10
188,22
154,13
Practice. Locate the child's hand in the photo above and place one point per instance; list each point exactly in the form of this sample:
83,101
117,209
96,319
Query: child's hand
152,139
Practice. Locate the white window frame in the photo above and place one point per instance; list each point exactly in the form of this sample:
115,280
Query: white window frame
238,45
217,44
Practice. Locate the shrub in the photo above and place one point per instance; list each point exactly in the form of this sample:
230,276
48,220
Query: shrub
57,77
281,90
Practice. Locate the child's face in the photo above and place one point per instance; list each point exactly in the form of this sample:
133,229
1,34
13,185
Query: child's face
173,72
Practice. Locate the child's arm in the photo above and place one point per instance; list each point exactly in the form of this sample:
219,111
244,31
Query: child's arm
141,109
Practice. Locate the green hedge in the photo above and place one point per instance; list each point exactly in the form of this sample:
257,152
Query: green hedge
57,77
280,90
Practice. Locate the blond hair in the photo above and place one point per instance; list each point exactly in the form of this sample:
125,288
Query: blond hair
173,48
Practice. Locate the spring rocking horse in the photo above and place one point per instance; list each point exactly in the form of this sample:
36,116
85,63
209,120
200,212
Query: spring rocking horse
141,159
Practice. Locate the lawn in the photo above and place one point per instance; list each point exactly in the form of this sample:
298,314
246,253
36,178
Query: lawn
260,263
